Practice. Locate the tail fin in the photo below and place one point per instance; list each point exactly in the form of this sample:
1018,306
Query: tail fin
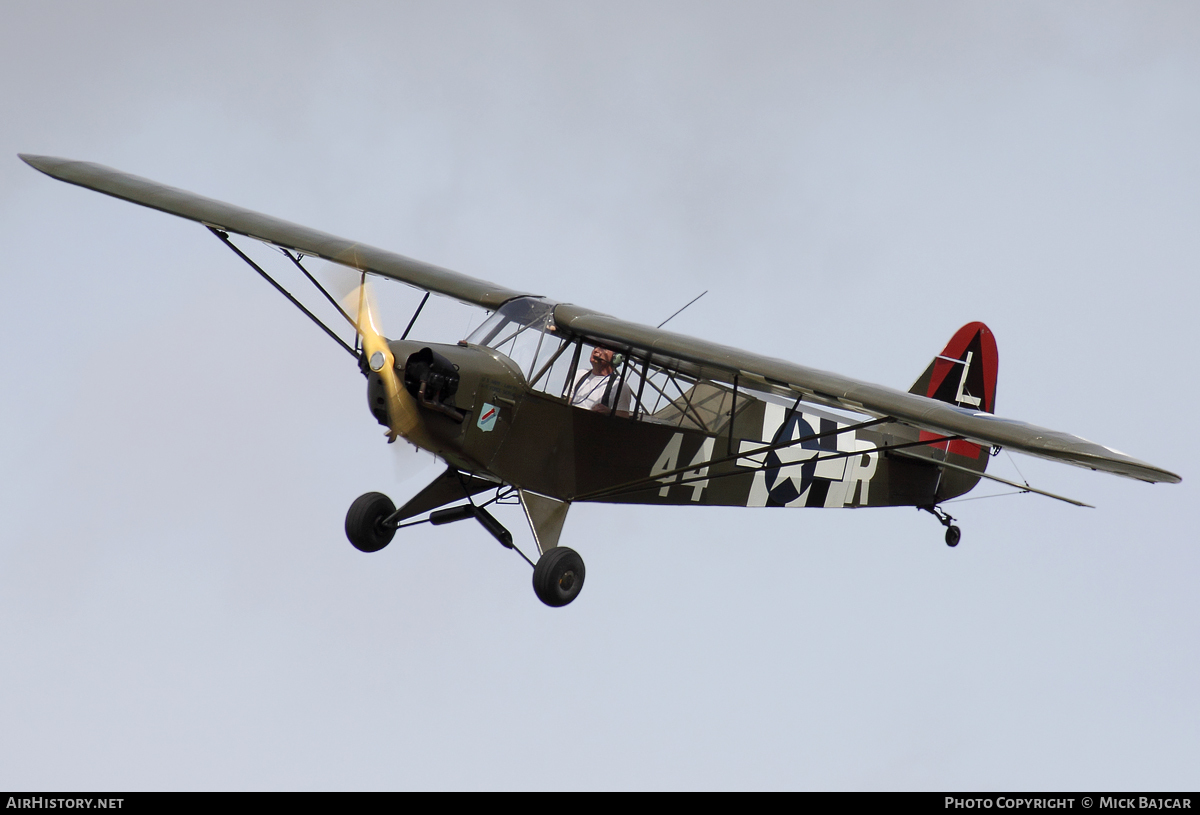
964,374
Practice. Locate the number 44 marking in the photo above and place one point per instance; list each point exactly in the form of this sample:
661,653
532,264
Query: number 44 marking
669,460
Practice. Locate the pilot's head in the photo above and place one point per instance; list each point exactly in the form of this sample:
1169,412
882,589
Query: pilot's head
602,360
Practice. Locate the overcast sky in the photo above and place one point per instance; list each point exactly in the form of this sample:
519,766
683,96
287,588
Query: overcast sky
179,607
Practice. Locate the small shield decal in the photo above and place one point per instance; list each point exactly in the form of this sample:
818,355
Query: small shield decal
487,417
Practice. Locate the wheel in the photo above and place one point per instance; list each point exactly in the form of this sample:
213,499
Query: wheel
558,576
364,522
953,534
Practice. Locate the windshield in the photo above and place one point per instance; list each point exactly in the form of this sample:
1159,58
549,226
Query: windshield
523,330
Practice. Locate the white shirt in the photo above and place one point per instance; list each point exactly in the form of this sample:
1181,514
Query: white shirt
589,388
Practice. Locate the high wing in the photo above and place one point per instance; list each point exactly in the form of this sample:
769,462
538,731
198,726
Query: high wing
723,363
239,221
707,359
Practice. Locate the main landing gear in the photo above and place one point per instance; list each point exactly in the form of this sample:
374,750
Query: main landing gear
953,533
557,576
366,522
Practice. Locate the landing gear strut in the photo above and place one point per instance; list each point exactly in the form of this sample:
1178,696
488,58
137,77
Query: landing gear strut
485,518
557,576
953,533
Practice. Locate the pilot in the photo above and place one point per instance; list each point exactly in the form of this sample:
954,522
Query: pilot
596,387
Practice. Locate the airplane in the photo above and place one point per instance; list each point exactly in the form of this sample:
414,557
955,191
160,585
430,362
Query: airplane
552,403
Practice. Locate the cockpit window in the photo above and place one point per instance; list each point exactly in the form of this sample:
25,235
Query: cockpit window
523,330
641,389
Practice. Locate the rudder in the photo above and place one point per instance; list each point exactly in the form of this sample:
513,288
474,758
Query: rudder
964,374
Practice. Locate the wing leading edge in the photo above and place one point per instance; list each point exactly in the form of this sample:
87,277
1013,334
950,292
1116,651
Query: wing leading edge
709,359
282,233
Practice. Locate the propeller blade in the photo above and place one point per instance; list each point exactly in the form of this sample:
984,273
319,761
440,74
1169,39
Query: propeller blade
404,417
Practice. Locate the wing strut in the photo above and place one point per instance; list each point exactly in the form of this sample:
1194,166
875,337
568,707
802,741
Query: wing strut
224,236
416,314
296,259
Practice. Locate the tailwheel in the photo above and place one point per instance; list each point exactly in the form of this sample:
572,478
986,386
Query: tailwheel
365,525
558,576
953,533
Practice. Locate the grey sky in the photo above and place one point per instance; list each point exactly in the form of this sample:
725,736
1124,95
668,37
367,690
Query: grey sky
179,607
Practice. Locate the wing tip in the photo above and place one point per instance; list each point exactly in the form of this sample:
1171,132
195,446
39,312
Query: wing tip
1150,473
1154,475
42,164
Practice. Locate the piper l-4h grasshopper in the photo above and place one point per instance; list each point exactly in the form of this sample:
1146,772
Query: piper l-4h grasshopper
557,404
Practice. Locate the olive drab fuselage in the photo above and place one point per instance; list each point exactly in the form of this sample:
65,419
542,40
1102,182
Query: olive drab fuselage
537,441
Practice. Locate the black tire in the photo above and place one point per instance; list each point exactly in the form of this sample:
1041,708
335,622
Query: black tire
953,535
558,576
364,522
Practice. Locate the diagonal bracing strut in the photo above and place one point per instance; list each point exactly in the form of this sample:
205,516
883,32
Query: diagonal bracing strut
224,237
